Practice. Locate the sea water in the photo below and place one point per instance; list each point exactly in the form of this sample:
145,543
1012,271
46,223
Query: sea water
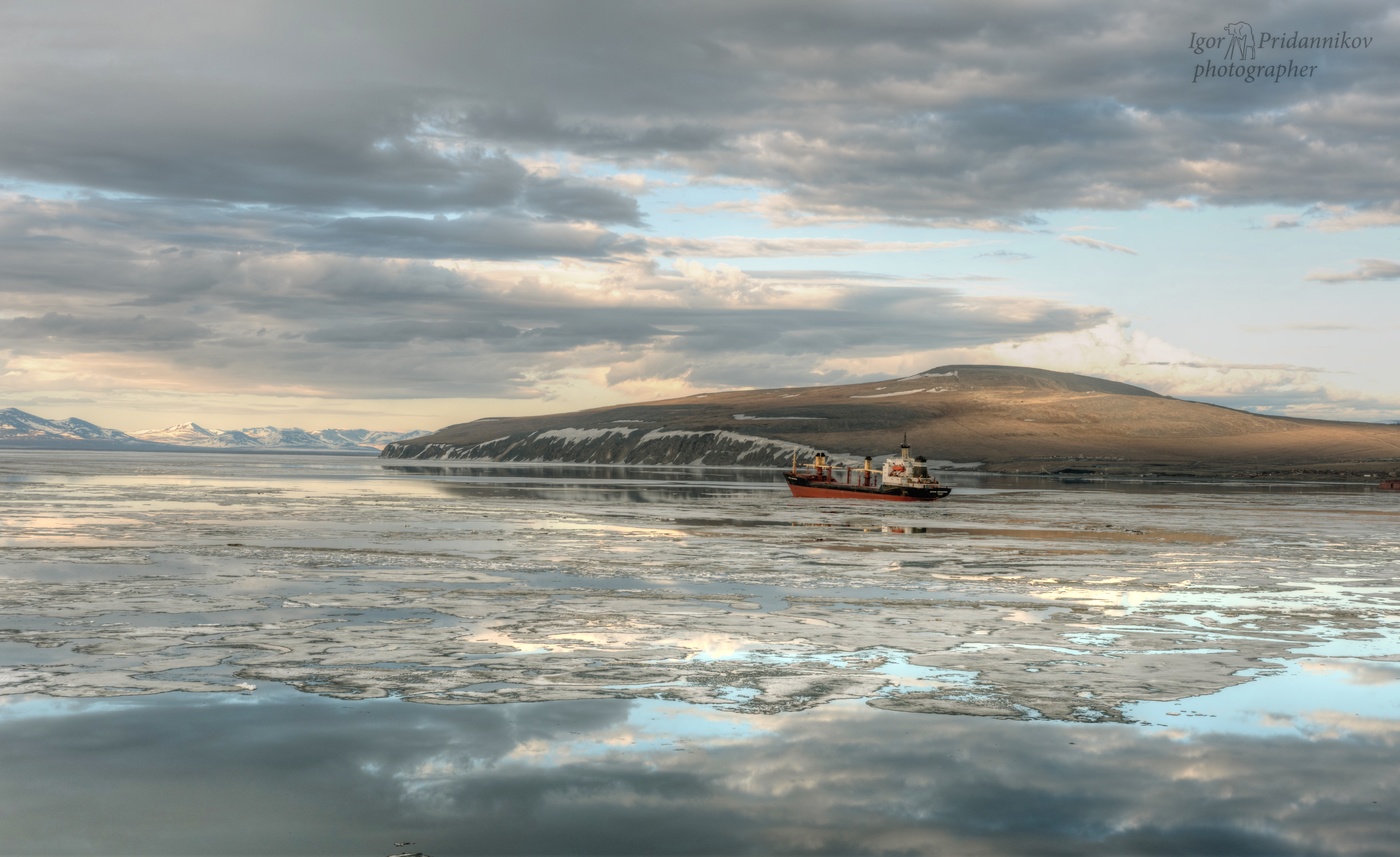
280,654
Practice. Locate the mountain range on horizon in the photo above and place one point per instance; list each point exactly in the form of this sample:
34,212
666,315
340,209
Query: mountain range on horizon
22,429
1006,418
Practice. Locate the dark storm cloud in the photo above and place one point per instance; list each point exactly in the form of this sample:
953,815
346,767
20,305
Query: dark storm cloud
221,109
487,237
564,199
188,144
406,331
61,333
538,126
904,111
232,176
342,325
47,240
489,342
942,111
861,318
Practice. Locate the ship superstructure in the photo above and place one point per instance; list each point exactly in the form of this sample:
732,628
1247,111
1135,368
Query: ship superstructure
900,478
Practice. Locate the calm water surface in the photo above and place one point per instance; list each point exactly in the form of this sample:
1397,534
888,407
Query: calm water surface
258,654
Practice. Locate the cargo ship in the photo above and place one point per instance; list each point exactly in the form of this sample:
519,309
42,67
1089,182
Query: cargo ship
903,478
1390,485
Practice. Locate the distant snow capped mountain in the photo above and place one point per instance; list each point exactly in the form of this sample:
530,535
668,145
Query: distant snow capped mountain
193,434
271,437
365,437
18,425
20,428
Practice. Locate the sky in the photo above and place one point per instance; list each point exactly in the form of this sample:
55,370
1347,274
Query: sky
402,216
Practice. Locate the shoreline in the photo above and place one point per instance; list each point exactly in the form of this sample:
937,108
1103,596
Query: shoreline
1358,473
1338,473
1077,469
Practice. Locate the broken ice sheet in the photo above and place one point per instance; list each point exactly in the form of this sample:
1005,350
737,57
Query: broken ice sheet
1052,603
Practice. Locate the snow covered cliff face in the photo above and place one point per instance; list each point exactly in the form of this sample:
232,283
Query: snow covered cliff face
615,446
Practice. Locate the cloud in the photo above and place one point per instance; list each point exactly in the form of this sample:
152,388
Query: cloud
1367,270
46,230
1345,218
542,126
1095,244
1313,327
569,199
1114,349
269,192
471,237
63,333
812,275
815,275
919,114
320,321
737,246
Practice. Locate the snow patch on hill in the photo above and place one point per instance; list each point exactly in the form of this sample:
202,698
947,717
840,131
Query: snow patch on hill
575,435
887,395
615,446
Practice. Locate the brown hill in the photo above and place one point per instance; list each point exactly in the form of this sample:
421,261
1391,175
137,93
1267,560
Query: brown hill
1008,418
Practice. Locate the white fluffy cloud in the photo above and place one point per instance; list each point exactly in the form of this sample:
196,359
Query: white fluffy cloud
1096,244
1115,350
1366,270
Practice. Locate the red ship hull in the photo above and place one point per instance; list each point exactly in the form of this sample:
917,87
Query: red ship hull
803,487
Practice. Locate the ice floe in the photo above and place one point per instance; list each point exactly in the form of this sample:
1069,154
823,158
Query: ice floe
1014,602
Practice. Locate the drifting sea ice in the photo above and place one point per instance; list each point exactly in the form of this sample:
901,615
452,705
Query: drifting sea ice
1017,598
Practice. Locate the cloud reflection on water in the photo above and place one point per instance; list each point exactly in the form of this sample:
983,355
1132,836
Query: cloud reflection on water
285,773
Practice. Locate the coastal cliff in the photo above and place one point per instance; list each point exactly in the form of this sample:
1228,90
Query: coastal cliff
616,445
1004,418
